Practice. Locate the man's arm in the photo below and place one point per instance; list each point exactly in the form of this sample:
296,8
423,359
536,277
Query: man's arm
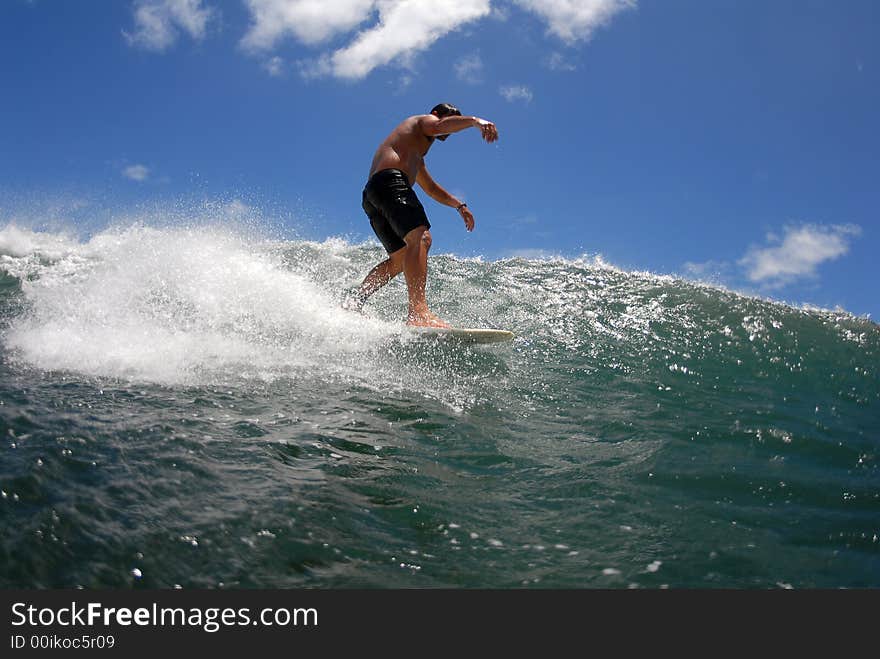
441,196
432,126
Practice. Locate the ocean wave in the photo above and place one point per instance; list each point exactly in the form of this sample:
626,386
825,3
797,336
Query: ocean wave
195,305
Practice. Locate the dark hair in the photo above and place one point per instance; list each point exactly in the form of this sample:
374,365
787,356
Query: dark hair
446,110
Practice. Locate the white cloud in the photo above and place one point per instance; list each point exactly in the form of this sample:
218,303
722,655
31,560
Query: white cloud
159,22
500,13
405,27
797,254
397,30
517,93
401,82
274,66
136,172
575,20
315,68
469,68
558,62
309,21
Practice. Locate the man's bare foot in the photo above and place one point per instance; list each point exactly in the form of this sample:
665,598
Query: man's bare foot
426,319
354,301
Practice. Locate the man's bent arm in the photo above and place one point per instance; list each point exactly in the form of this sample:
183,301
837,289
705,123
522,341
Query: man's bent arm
434,190
433,126
438,194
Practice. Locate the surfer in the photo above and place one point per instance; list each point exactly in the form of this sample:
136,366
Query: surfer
397,215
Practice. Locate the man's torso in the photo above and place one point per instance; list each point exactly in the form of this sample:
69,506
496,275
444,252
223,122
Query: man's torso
403,149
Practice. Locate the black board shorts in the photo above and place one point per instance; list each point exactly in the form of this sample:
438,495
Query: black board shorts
393,208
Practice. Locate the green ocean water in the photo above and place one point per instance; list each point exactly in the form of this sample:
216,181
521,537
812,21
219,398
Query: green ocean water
190,407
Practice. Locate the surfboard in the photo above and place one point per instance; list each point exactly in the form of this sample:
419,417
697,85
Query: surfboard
465,334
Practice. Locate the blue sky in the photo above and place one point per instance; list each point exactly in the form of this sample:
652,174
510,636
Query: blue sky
735,141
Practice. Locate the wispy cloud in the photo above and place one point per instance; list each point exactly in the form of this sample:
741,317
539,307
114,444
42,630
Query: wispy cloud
470,69
386,31
309,21
136,172
575,20
500,13
274,66
559,62
797,253
158,23
514,93
403,29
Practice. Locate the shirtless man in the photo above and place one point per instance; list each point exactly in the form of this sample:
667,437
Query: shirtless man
395,213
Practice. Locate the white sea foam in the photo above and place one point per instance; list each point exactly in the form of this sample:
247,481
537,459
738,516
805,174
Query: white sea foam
18,243
174,305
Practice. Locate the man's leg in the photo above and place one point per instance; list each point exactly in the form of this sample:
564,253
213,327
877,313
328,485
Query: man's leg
377,278
415,269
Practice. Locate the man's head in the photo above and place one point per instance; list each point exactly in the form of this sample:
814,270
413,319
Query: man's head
442,110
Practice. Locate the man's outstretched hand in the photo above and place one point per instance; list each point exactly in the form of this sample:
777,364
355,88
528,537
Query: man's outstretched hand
468,218
487,129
